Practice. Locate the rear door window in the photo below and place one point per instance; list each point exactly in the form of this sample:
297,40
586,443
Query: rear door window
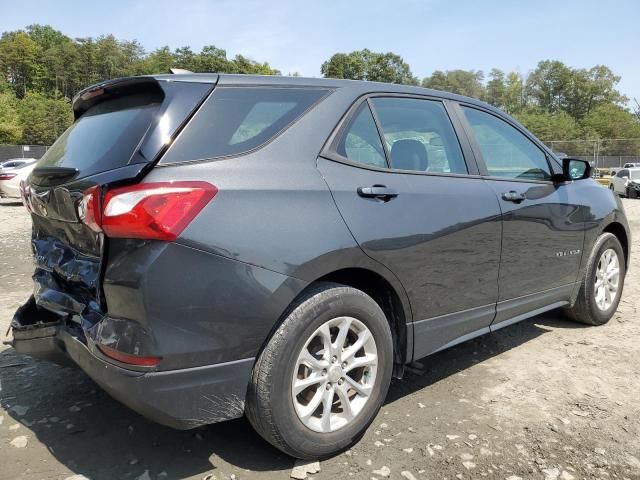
361,141
419,135
235,120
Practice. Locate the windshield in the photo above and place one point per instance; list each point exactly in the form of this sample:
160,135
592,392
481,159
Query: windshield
105,136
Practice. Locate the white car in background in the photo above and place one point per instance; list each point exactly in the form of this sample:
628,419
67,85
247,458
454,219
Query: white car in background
15,162
10,178
626,182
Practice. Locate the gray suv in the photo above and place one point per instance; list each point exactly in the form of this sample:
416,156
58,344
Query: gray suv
211,246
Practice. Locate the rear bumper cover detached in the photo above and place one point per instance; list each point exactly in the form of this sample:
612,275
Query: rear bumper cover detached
180,399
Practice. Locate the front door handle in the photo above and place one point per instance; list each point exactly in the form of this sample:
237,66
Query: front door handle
378,191
513,196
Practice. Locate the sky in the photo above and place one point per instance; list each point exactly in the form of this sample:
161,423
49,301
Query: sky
298,36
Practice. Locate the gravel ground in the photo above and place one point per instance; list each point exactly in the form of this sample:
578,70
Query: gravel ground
543,399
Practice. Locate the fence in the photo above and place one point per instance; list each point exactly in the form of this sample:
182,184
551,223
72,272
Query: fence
21,151
604,153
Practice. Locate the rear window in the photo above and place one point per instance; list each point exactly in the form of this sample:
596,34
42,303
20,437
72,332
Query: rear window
106,135
235,120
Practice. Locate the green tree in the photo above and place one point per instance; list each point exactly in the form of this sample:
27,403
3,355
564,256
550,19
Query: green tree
18,54
159,61
514,93
241,64
367,65
612,121
636,108
389,68
462,82
133,53
47,39
111,61
185,58
547,127
46,36
590,89
619,127
212,59
345,65
553,86
61,65
496,88
43,119
548,85
87,62
10,126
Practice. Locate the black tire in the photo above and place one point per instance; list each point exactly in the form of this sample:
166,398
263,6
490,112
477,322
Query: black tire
585,309
270,406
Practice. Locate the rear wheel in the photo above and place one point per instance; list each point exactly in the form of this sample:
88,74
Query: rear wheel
324,374
602,284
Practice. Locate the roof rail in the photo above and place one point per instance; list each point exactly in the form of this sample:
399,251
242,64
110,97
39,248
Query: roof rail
179,71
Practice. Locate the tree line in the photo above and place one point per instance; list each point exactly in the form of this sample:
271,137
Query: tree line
554,101
41,69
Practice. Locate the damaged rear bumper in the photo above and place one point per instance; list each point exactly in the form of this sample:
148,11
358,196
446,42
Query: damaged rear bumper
181,399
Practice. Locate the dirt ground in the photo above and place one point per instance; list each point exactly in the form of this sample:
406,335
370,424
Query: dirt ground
543,399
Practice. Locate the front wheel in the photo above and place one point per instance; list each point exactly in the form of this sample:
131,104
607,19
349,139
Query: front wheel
324,374
602,284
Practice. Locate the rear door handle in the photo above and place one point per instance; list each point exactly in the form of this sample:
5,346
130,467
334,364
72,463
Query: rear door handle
513,196
378,191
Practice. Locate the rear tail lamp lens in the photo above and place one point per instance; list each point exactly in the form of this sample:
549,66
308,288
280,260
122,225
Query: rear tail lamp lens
151,211
89,208
24,195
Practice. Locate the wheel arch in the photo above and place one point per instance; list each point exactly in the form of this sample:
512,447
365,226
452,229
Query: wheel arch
617,229
390,301
387,292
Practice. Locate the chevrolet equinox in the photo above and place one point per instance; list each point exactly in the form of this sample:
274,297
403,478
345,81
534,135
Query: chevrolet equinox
210,246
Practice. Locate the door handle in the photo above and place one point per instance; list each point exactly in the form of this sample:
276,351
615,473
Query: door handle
378,191
513,196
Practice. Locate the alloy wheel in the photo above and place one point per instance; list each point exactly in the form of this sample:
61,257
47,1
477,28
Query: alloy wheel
334,374
607,280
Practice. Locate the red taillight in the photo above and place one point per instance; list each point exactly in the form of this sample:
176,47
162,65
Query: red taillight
24,195
89,209
150,211
128,358
7,176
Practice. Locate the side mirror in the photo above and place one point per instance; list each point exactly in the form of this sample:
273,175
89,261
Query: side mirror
575,169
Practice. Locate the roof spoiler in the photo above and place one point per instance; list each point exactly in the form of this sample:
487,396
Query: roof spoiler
99,92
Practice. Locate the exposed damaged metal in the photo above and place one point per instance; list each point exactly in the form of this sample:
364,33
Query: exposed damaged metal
67,319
